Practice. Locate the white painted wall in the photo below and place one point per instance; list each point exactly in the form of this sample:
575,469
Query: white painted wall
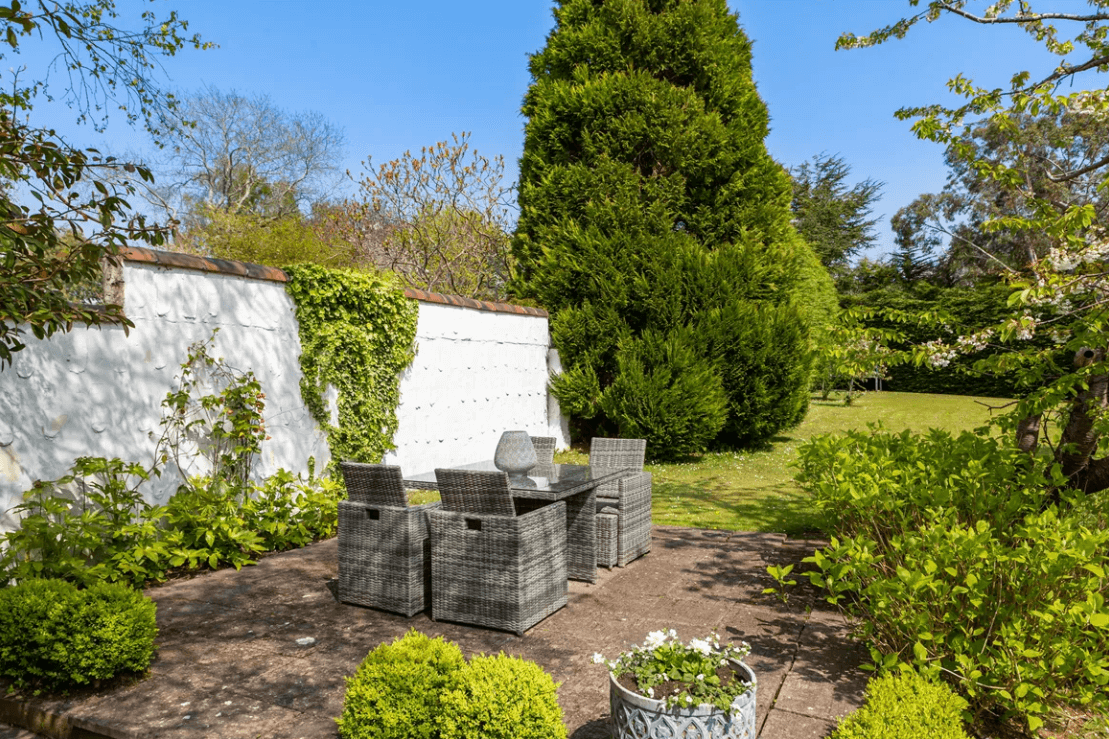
476,374
98,392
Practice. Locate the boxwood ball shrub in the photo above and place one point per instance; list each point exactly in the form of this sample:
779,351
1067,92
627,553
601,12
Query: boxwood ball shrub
905,705
396,690
501,697
54,636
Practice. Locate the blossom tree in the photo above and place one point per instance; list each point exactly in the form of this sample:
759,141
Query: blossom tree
1063,294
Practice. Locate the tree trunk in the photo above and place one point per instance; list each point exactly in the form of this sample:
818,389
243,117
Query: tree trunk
1028,433
1079,439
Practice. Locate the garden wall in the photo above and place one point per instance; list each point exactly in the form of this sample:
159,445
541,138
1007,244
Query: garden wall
480,368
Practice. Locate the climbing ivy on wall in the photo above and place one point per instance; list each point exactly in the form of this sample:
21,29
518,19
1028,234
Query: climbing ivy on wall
357,333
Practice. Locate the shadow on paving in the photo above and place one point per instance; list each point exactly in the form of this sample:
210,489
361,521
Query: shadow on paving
265,651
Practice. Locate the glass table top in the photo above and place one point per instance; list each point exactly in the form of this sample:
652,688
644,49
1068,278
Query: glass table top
546,481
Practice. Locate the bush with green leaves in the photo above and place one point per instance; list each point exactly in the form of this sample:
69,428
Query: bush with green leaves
85,527
54,636
954,557
648,201
93,525
902,705
500,697
396,691
666,393
761,353
421,688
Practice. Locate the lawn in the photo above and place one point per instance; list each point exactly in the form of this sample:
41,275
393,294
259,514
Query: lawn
755,491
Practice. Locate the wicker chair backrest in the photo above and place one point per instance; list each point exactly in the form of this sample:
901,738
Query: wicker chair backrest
622,453
378,484
470,491
544,448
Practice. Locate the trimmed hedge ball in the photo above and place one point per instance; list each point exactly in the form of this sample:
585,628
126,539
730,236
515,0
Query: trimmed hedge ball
905,705
54,636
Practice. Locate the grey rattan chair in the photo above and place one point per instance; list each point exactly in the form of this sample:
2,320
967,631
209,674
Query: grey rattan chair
544,448
629,495
384,545
490,567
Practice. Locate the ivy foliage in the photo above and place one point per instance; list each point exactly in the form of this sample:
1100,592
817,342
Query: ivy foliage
357,334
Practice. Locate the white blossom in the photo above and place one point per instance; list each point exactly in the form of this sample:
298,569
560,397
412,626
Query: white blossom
701,646
598,658
655,639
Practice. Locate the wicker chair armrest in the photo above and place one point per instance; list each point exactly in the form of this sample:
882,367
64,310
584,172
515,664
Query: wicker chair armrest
375,506
395,519
548,515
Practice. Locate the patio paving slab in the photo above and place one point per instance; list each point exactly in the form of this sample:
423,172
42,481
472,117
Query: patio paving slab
229,663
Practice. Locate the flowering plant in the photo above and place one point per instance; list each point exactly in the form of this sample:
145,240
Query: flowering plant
680,674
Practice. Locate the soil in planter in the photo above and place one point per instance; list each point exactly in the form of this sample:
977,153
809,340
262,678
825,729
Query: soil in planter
725,672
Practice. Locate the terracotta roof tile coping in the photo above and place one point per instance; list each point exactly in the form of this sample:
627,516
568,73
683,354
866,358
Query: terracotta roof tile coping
272,274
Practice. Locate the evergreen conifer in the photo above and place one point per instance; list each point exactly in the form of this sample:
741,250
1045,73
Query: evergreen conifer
652,216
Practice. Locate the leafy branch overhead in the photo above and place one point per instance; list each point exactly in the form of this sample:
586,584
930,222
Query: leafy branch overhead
440,220
1035,151
62,209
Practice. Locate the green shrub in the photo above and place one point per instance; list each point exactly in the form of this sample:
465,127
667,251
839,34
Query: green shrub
666,394
395,693
648,201
762,355
77,527
905,705
953,559
54,636
501,698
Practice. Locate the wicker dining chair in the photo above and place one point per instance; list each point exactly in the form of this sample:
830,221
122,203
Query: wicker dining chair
384,544
490,567
625,503
544,448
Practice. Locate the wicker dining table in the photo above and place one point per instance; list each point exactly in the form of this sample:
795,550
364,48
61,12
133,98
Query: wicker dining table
574,483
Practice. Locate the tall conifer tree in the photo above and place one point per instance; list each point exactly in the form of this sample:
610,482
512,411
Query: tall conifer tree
656,228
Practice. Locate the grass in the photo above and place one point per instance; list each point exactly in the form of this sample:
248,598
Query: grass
755,490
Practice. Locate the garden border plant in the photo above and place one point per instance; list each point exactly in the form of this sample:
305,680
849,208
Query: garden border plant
93,525
357,334
957,560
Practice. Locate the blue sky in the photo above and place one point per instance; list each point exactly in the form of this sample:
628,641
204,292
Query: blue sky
397,76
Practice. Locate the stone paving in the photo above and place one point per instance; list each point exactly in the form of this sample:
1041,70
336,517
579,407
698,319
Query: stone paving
229,663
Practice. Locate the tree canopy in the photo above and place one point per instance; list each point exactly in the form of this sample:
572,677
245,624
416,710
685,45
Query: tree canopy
833,218
656,228
1059,283
63,209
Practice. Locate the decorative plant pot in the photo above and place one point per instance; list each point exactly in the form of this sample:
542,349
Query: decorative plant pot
515,453
636,716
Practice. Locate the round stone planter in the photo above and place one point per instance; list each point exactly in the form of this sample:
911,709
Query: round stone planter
635,716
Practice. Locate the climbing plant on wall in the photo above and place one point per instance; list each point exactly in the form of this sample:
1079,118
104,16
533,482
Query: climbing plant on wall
357,334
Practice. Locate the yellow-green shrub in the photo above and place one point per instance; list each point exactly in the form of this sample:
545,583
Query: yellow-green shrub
395,692
905,705
501,698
